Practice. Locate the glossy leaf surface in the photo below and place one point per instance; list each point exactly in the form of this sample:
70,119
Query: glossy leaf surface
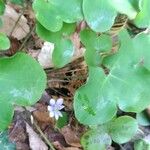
99,15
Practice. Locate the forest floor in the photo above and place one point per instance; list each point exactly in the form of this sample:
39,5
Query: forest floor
32,128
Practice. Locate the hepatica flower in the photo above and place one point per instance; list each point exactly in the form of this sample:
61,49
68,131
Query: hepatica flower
54,108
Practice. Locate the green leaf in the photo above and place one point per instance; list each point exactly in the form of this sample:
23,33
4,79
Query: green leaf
142,19
6,114
99,15
143,118
62,53
95,46
125,7
47,15
93,104
52,14
123,129
141,145
133,77
96,140
54,37
70,11
2,7
4,42
5,144
22,80
62,121
140,41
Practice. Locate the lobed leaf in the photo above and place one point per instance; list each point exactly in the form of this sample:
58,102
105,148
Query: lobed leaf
95,139
93,104
18,85
52,14
123,129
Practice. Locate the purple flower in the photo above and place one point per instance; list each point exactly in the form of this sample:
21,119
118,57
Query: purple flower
55,107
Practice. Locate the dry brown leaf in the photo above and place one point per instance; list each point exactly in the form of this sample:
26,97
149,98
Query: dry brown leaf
9,19
43,117
58,145
70,136
45,56
34,140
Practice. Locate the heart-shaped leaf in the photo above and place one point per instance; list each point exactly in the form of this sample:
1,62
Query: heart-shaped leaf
133,78
93,104
52,14
4,42
142,19
47,15
18,85
70,10
100,15
95,139
123,129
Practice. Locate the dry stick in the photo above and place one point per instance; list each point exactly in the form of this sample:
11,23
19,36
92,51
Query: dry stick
39,130
17,22
43,135
26,39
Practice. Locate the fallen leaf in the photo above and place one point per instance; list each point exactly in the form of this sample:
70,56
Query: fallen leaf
45,56
70,136
43,117
58,145
9,19
35,141
18,133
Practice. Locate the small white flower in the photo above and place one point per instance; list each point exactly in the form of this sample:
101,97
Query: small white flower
55,107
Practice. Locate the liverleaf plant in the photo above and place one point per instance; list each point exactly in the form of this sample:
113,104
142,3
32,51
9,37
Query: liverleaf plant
125,84
22,81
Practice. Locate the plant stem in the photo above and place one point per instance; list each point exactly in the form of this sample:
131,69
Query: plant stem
43,135
26,39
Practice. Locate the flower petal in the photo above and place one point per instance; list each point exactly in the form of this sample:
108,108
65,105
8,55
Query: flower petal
56,115
50,108
52,101
51,114
59,101
60,107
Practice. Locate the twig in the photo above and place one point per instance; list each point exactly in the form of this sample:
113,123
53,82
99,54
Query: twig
17,22
26,39
43,135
